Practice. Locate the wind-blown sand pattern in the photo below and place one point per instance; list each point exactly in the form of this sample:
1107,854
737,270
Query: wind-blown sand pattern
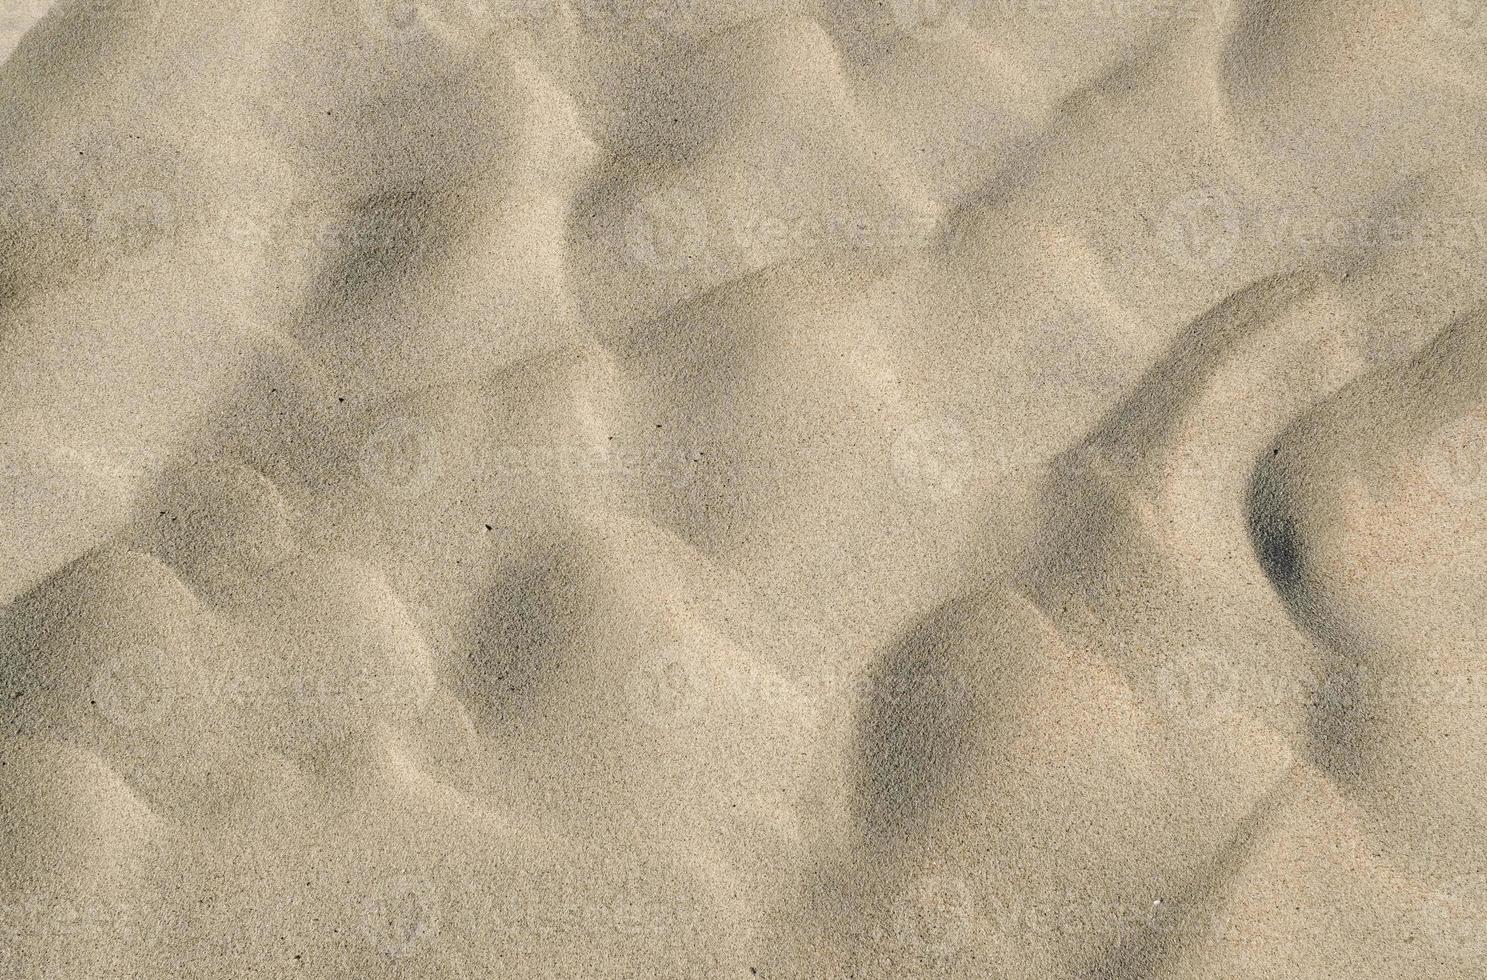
677,489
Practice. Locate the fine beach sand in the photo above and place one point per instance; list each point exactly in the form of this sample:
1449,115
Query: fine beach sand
875,489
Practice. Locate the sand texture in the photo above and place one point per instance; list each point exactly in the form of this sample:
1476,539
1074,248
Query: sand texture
703,489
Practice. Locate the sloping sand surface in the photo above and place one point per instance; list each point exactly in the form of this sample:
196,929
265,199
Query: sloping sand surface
870,489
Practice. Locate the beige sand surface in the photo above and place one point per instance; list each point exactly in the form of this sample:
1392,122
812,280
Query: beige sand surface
674,489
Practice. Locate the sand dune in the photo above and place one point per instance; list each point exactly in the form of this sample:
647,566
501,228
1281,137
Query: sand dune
919,488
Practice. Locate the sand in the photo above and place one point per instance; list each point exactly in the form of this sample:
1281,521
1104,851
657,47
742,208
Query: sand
676,489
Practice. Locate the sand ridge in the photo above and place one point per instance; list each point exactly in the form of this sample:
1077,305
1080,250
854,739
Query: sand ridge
644,488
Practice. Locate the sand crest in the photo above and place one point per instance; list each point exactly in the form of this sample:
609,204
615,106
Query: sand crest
870,489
